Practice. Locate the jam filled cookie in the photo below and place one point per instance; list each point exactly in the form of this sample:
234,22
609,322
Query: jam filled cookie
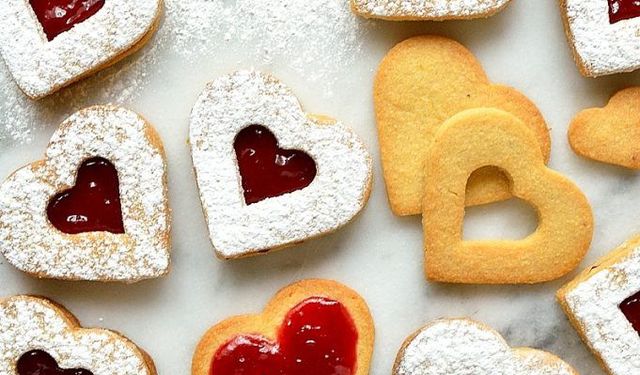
477,138
603,304
49,44
603,35
270,175
465,347
422,82
39,337
279,341
96,207
422,10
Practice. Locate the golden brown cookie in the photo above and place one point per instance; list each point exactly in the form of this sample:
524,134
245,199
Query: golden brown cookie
427,10
472,140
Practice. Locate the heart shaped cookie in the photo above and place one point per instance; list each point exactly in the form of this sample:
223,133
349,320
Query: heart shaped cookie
465,347
47,45
423,10
96,207
421,83
279,340
477,138
40,337
270,175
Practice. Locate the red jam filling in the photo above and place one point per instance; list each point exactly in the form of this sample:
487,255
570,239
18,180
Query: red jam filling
93,204
317,337
631,309
58,16
38,362
623,10
267,170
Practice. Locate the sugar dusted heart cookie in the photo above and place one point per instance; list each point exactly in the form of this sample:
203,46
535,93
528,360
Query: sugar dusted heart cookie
270,175
603,34
610,134
422,82
477,138
436,10
47,45
465,347
40,335
603,304
96,207
279,341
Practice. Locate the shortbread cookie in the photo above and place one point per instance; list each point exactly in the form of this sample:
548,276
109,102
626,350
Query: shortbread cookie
279,341
603,35
465,347
603,304
477,138
422,10
96,207
270,175
610,134
40,337
422,82
47,45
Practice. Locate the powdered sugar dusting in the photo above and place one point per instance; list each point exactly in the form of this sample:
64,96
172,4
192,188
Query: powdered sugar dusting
428,9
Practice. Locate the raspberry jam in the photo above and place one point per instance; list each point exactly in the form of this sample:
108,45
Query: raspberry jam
38,362
623,10
58,16
317,337
631,309
267,170
93,204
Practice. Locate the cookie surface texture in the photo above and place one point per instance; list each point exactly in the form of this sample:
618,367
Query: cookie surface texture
436,10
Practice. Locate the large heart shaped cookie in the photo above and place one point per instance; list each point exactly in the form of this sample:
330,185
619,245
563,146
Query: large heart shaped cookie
270,175
436,10
40,335
465,347
421,83
44,54
96,207
280,341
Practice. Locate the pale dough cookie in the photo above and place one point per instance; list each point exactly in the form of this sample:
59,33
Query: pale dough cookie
422,82
422,10
610,134
465,347
477,138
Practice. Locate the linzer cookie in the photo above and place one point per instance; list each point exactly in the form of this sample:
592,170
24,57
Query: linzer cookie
422,82
47,44
279,341
465,347
270,175
603,35
603,304
437,10
96,207
40,337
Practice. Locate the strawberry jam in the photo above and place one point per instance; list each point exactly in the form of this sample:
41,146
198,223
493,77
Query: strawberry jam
38,362
267,170
631,309
317,337
623,10
93,204
58,16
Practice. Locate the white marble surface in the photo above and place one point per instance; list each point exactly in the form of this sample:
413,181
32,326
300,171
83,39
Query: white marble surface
328,57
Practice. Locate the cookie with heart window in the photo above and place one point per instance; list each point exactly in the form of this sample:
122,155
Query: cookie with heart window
96,207
49,44
269,174
427,10
279,341
40,337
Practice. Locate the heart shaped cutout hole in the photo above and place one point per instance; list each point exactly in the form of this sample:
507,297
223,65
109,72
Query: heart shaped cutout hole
630,307
58,16
620,10
38,362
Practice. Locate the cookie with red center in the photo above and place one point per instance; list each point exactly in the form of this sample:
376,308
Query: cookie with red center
49,44
312,327
40,337
96,207
423,10
269,174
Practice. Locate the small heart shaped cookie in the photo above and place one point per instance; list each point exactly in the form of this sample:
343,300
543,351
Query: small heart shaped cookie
47,45
39,337
279,340
270,175
477,138
423,10
465,347
96,207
